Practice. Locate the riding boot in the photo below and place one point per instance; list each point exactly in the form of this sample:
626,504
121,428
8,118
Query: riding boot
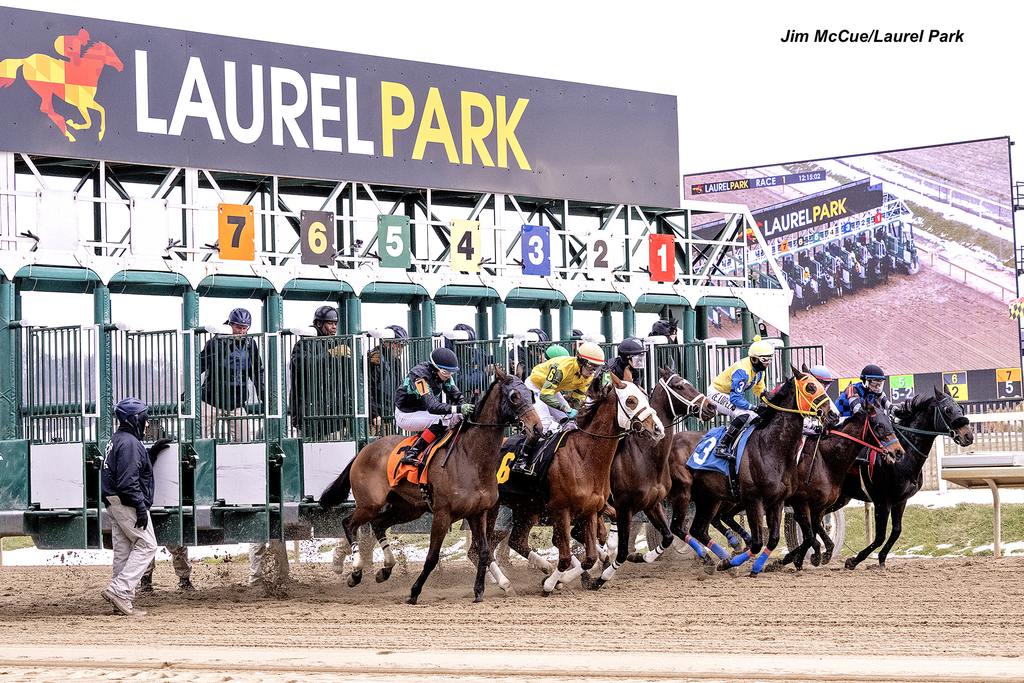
726,449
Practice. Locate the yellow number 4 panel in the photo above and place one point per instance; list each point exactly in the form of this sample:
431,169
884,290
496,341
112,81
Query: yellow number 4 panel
465,246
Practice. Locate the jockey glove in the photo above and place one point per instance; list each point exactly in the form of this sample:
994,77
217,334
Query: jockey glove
571,413
466,409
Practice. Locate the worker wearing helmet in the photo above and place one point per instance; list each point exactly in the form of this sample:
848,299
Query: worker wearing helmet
428,401
666,327
230,364
631,354
128,485
320,369
568,374
867,392
728,391
384,368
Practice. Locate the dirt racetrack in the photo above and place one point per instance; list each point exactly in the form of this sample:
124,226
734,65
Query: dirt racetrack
935,619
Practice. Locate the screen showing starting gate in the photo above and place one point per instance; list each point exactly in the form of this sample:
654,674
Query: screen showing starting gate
904,259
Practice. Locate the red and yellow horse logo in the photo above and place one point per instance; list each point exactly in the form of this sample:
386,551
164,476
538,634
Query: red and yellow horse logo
73,81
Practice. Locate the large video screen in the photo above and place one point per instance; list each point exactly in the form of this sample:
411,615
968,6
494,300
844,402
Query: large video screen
903,258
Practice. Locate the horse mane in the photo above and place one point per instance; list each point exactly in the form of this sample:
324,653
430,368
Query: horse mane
909,408
596,392
482,401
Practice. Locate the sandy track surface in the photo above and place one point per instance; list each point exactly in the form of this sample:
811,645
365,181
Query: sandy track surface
955,619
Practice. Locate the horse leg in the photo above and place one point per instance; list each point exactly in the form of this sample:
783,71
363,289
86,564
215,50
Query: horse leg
103,117
519,540
86,119
478,526
754,511
358,518
826,540
588,530
881,522
560,527
897,529
802,515
621,525
774,517
46,106
656,516
494,567
699,539
438,530
740,537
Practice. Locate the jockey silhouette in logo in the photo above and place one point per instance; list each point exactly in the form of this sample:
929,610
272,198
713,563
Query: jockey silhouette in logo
73,81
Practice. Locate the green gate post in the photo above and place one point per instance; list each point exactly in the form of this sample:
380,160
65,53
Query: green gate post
273,314
354,319
342,305
9,367
482,322
429,317
545,320
701,326
415,318
787,356
628,321
747,322
101,316
689,339
190,321
498,311
564,321
606,323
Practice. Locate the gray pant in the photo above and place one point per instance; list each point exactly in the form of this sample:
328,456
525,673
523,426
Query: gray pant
179,558
134,549
258,552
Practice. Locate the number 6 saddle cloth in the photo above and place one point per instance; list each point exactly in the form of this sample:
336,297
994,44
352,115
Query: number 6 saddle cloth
398,472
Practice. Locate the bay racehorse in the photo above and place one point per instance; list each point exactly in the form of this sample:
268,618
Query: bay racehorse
918,422
463,480
824,465
767,472
73,81
640,478
578,479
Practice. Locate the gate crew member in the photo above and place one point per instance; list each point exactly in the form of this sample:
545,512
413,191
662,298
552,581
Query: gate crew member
666,327
127,483
867,392
728,391
384,366
229,363
419,405
631,354
571,374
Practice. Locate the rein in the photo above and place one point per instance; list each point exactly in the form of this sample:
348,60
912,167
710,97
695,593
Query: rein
795,411
950,432
693,407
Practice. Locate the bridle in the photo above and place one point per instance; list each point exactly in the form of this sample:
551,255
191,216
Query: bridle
694,406
937,415
816,404
636,420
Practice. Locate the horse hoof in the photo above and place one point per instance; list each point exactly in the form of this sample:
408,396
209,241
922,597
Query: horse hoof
754,575
596,584
724,565
635,557
773,566
851,563
478,598
354,578
411,601
816,560
826,557
383,574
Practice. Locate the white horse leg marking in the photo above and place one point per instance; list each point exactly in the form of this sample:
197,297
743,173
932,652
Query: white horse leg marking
498,577
552,581
538,562
613,538
652,555
571,574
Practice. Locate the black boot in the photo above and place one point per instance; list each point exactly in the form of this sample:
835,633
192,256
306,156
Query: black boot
185,584
146,584
413,452
726,447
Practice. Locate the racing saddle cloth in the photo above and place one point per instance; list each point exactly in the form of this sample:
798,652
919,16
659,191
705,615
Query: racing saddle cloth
529,463
398,472
705,454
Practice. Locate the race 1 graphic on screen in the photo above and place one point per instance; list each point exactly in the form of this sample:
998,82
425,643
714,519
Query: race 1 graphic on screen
904,258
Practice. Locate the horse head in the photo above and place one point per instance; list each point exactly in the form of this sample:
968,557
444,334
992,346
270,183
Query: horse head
884,434
634,410
807,396
104,54
948,417
685,399
516,403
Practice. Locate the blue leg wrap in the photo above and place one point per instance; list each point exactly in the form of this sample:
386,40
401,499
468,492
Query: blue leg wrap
761,560
732,538
722,553
695,544
740,559
745,536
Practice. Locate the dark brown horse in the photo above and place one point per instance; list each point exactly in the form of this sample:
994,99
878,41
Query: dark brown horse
578,479
463,481
917,424
767,472
640,477
820,474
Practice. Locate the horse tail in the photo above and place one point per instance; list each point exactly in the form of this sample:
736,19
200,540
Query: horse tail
337,492
9,71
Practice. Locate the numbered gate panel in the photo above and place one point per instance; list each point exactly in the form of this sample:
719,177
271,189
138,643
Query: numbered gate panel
322,463
242,474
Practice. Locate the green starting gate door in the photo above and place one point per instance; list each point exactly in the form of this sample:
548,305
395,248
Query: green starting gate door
52,471
151,366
